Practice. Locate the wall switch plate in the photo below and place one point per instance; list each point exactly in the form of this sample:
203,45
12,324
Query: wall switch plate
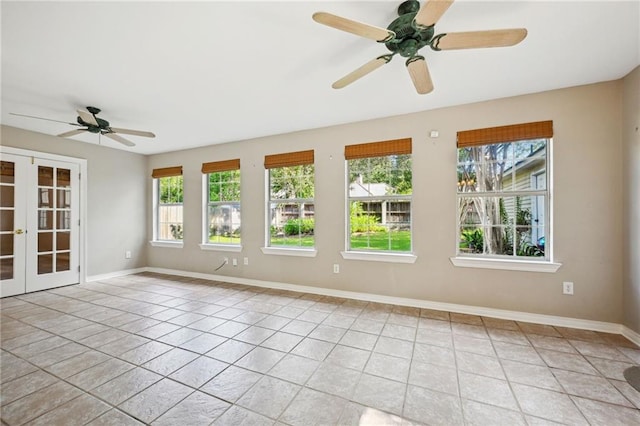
567,287
127,254
246,261
235,262
336,268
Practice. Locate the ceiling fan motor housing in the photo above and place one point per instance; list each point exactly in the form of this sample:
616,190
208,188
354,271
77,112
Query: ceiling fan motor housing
409,39
102,125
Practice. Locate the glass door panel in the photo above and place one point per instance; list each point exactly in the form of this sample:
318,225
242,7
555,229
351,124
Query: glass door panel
55,260
54,215
12,224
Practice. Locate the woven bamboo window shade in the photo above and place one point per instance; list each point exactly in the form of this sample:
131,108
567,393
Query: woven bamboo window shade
221,166
167,172
288,159
515,132
378,149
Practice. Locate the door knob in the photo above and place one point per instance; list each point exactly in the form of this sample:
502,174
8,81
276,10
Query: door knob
18,231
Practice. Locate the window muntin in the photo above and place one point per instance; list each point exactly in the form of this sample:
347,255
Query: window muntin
291,206
379,202
169,208
503,200
223,207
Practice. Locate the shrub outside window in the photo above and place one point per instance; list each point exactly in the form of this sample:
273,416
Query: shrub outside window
222,202
291,200
503,196
379,196
169,198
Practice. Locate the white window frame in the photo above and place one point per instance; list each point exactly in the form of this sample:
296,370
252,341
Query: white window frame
156,242
285,250
390,256
513,262
206,245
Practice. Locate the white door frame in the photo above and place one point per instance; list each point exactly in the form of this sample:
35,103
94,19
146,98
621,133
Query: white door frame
82,163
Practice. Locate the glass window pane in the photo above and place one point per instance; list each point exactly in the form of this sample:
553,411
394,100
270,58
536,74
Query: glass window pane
471,239
45,219
224,223
6,220
7,172
399,239
64,219
6,244
45,176
45,264
170,222
6,196
63,178
45,197
45,241
63,240
64,198
63,261
468,213
6,268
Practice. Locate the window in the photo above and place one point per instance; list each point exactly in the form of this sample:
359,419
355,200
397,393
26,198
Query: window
222,205
503,192
168,197
379,196
290,204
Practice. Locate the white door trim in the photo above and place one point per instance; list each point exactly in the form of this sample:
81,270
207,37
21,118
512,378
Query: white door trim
82,163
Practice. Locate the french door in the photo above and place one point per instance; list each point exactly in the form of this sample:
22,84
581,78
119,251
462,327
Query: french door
39,224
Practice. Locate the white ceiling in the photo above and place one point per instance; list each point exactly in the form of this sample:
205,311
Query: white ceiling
201,73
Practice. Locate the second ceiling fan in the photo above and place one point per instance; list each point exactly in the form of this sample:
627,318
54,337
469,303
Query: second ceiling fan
410,32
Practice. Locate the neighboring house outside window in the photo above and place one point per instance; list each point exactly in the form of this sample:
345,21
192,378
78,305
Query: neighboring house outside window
380,190
503,192
168,197
222,202
290,205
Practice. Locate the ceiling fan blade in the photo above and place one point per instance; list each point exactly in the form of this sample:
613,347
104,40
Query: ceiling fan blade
362,71
419,73
431,11
40,118
479,39
72,133
119,138
87,117
354,27
133,132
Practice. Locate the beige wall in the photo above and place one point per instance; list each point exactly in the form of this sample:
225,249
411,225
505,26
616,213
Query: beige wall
631,250
588,212
116,192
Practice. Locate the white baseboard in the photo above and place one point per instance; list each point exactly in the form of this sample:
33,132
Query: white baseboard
91,278
630,334
606,327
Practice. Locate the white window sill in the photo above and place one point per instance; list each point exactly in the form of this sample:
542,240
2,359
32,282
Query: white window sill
379,257
221,247
168,244
289,251
506,264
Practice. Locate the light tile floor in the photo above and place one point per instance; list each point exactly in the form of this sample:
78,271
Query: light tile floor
166,350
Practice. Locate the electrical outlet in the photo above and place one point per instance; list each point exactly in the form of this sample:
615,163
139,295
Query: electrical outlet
567,288
235,262
336,268
127,254
226,260
246,261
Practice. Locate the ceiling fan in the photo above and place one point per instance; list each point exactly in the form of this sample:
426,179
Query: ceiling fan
410,32
92,124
